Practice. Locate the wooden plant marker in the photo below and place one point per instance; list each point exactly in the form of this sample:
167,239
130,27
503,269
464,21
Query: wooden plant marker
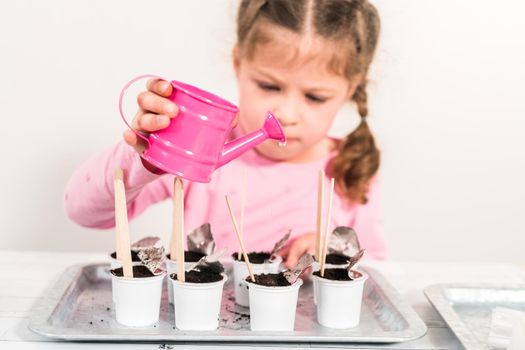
239,238
327,226
121,224
177,234
319,227
244,189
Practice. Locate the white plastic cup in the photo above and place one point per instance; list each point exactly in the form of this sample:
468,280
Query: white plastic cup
115,264
316,267
339,302
197,305
137,300
273,308
171,267
240,272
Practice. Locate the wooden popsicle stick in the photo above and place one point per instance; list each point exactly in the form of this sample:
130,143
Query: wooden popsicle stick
327,225
173,243
320,200
241,243
118,227
244,189
177,236
121,224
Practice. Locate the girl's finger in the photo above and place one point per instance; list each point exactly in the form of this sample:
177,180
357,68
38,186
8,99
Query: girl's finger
296,250
235,121
154,103
284,252
304,244
160,87
151,122
132,139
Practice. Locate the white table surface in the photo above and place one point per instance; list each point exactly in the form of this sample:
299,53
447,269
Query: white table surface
25,277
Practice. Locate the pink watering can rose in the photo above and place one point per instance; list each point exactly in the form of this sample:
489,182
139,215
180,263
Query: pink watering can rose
196,142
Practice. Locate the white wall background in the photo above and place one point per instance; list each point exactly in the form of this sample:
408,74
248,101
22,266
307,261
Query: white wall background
447,104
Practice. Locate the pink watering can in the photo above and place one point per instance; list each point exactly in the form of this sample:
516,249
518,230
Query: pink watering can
195,142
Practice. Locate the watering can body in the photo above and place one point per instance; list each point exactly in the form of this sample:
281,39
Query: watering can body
196,141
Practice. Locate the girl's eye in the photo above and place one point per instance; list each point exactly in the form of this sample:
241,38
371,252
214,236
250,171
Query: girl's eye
315,98
269,87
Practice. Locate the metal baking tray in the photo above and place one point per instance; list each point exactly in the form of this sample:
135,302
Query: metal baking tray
79,307
467,308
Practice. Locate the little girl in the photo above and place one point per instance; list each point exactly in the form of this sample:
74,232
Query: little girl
302,60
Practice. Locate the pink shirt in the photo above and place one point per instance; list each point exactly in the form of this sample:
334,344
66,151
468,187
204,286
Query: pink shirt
280,196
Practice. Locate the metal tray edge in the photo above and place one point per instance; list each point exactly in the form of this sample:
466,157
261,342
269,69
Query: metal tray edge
46,305
417,328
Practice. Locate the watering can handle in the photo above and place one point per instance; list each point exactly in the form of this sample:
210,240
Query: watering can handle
123,92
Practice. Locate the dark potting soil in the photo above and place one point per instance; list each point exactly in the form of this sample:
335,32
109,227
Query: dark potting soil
335,274
134,255
194,276
139,271
337,259
189,256
254,257
270,280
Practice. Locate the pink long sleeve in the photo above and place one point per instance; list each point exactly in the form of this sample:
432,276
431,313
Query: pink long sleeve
89,194
280,196
368,224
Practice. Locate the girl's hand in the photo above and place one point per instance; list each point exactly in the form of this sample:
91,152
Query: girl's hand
293,251
155,112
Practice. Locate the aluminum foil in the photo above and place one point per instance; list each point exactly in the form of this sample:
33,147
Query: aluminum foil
355,259
305,261
210,263
152,258
343,240
145,242
506,329
201,240
281,243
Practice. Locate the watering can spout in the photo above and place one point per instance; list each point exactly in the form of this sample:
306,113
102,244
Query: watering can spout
271,129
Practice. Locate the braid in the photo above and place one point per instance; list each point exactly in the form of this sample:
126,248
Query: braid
361,99
356,163
358,158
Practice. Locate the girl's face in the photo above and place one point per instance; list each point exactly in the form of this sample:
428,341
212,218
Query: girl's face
289,76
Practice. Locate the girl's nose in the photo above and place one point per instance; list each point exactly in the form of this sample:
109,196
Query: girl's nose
286,116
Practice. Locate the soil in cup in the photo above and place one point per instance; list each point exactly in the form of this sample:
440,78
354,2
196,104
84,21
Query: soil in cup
270,280
334,274
194,276
139,271
254,257
134,255
337,259
189,256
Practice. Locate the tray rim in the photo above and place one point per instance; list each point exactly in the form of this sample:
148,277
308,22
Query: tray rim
436,296
47,304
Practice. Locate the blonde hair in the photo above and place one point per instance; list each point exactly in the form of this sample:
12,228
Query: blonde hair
354,26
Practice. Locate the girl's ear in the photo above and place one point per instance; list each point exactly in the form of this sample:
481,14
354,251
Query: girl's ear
236,59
